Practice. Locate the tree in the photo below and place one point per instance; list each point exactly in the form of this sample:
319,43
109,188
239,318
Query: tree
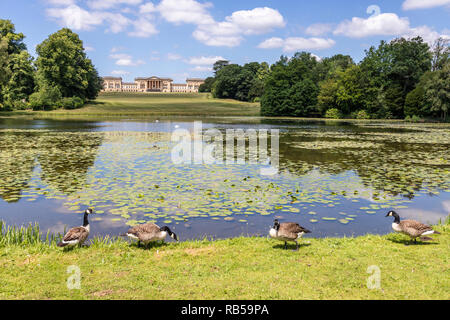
4,67
441,54
327,96
291,89
219,65
20,84
62,63
227,81
207,85
16,65
437,91
14,40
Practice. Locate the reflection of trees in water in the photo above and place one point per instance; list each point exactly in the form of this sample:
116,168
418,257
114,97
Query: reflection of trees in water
17,160
394,168
67,158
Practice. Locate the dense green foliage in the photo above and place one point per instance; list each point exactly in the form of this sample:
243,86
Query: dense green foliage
396,79
61,77
243,83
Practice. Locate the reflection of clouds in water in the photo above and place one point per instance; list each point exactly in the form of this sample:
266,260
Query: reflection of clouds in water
58,227
106,223
430,217
446,205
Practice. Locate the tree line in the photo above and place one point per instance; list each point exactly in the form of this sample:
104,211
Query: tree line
60,77
403,78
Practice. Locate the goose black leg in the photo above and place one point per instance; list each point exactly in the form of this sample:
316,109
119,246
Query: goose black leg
139,244
297,246
285,245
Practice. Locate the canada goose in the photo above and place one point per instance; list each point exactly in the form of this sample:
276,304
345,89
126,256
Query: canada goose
149,232
287,231
412,228
78,235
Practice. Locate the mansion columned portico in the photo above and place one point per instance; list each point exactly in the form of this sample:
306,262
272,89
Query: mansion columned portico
152,84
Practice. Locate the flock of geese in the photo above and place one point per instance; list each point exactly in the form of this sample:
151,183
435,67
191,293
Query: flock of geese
285,232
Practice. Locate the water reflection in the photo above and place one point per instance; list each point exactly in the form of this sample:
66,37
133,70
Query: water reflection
337,178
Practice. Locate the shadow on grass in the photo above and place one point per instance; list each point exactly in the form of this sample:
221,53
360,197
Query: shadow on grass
151,245
409,242
291,246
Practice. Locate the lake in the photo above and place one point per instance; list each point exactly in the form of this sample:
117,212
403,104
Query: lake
334,178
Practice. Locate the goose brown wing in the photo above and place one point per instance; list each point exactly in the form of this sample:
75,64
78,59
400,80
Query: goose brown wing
144,229
78,233
415,227
292,227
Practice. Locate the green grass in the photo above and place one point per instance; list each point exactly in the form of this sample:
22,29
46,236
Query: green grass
155,104
239,268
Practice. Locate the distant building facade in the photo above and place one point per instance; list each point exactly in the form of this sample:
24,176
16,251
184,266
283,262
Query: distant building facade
152,84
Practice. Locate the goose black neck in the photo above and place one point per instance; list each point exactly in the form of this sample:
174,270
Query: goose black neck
85,220
397,218
166,229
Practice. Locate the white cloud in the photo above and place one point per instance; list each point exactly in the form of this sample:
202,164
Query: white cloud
316,57
185,11
428,34
143,28
297,44
383,25
202,69
173,56
272,43
229,33
318,29
120,73
107,4
424,4
89,49
77,18
125,60
61,2
148,7
256,21
205,61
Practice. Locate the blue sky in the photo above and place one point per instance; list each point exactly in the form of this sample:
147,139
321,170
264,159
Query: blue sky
181,38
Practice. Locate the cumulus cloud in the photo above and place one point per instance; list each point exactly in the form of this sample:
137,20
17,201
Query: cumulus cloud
107,4
297,44
75,17
125,60
173,56
143,28
78,18
61,2
424,4
318,29
202,69
185,11
120,72
229,33
383,24
148,7
205,61
428,34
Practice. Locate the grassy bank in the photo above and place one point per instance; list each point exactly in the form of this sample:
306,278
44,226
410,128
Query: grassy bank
240,268
155,104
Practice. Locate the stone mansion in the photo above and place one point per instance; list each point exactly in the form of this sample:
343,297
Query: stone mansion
153,84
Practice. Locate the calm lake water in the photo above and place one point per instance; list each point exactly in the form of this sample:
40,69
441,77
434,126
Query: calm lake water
336,179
